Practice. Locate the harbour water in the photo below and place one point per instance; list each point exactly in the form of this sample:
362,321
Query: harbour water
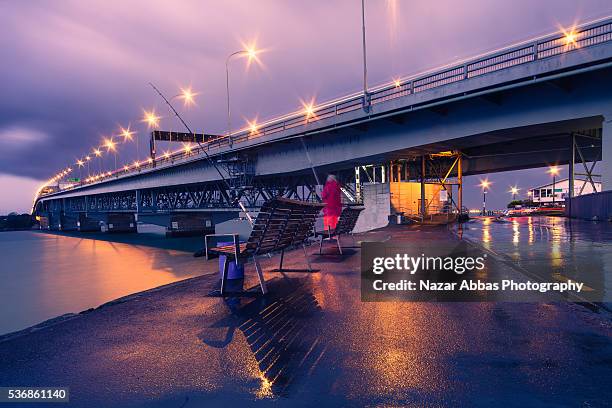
46,275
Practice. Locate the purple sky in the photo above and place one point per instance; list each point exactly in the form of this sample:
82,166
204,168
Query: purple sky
73,71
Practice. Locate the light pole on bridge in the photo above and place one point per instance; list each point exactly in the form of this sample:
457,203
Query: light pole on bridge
251,53
365,69
98,154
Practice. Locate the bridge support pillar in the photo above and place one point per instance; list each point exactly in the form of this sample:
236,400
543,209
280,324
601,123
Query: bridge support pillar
606,153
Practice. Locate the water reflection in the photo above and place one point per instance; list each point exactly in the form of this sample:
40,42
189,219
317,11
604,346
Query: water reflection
515,232
47,275
553,248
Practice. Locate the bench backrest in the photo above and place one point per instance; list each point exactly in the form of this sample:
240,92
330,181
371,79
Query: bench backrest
281,223
348,219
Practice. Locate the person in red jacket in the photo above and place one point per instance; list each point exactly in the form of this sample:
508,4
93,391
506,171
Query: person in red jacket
333,204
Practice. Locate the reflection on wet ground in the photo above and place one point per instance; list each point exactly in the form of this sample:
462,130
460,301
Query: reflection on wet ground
312,342
551,248
278,329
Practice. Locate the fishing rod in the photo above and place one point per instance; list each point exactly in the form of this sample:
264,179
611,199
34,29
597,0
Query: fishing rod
310,161
210,160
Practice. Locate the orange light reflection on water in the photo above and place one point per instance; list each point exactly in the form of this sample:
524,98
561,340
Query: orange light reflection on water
62,274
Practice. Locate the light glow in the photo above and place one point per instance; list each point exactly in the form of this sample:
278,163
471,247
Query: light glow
251,52
397,83
553,170
484,184
151,119
253,128
187,95
97,152
309,109
570,37
127,134
110,145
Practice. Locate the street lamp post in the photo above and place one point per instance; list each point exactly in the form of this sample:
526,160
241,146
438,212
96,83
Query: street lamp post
88,159
554,170
98,154
484,184
514,190
363,41
251,53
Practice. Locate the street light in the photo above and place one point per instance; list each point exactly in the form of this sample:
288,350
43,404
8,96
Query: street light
98,154
110,147
484,184
80,163
127,134
88,159
554,171
251,54
151,118
365,69
514,190
187,95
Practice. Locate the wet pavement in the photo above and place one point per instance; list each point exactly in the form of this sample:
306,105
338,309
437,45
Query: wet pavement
550,249
312,341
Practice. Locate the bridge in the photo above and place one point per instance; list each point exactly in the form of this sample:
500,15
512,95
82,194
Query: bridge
541,102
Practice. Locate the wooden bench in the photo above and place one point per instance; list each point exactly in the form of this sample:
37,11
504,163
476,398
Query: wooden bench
281,223
346,224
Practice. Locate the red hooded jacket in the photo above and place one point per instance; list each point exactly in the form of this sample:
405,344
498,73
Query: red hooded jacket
331,198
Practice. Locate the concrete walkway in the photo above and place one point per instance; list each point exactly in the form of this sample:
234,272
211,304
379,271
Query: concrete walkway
313,342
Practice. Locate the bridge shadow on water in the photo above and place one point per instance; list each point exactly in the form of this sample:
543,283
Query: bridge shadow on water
281,331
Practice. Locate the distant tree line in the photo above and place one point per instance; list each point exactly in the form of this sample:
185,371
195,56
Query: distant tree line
14,221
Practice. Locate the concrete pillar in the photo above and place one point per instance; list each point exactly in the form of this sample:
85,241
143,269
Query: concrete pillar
606,153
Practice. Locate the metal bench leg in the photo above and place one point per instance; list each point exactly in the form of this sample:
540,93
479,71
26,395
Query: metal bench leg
307,260
224,276
262,283
321,245
338,240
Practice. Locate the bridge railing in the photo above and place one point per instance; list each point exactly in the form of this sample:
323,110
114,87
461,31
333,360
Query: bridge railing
580,37
544,47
